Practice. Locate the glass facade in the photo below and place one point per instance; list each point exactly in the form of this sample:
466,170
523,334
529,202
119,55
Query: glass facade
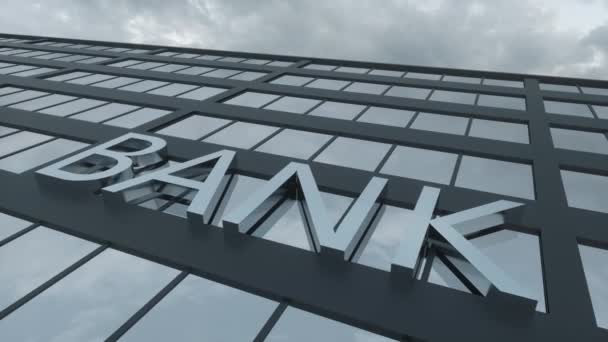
280,198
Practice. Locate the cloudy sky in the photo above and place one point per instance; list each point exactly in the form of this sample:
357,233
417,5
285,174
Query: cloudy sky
557,37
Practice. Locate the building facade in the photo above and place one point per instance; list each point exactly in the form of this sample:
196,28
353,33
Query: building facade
160,193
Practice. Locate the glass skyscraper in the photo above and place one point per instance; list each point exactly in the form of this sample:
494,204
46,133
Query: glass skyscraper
152,193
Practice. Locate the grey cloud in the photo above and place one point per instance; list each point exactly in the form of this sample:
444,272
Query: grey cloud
514,36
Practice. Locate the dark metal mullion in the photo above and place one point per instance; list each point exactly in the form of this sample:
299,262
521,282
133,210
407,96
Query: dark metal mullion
32,294
147,307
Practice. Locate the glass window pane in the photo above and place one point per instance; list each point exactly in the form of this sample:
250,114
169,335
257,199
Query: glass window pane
441,123
52,56
354,153
300,326
579,140
601,111
186,55
496,176
68,76
145,65
90,79
453,96
194,127
172,89
423,76
39,155
353,70
117,82
409,92
6,130
252,99
320,67
138,117
10,225
292,80
462,79
20,96
240,188
286,225
15,68
508,102
325,83
567,108
43,253
596,273
43,102
595,91
390,73
202,93
104,112
503,83
222,73
19,141
197,70
426,165
367,88
72,107
202,310
338,110
384,238
33,53
208,57
126,63
387,116
586,191
170,68
242,135
499,130
33,72
231,59
111,287
248,76
294,143
292,104
559,87
279,64
94,60
143,86
9,90
257,61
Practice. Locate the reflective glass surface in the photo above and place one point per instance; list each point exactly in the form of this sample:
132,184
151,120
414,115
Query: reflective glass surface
45,253
39,155
387,116
248,76
461,79
252,99
91,302
117,82
391,73
596,273
90,79
453,96
567,108
595,91
194,127
292,104
138,117
423,76
202,93
43,102
441,123
72,107
355,153
338,110
202,310
294,143
426,165
499,130
104,112
19,141
292,80
20,96
300,326
329,84
559,87
242,135
143,86
238,191
496,176
409,92
508,102
503,83
352,70
601,111
10,225
579,140
172,89
368,88
586,191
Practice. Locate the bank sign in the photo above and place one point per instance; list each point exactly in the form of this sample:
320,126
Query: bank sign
120,162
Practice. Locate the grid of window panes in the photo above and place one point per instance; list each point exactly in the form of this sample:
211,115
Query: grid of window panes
576,112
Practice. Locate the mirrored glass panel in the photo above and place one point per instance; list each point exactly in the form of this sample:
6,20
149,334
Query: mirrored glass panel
196,70
559,87
117,82
194,127
453,96
172,89
294,143
104,112
354,153
292,104
508,102
72,107
568,108
417,163
143,86
90,79
595,91
441,123
202,93
499,130
20,97
423,76
338,110
45,253
239,189
601,111
409,92
496,176
242,135
248,76
320,67
10,225
329,84
570,139
352,70
19,141
202,310
503,83
91,302
43,102
138,117
42,154
596,273
462,79
390,73
387,116
586,191
367,88
300,326
222,73
252,99
292,80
